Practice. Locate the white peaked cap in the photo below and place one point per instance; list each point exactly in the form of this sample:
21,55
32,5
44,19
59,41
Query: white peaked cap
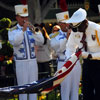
21,10
62,16
78,16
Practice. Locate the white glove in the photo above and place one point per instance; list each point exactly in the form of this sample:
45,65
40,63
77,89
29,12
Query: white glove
85,54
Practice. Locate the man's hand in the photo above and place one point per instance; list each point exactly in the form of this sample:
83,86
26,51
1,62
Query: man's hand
26,24
89,56
86,55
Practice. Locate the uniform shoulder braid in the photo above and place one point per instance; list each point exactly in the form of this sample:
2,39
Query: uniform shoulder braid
13,28
97,38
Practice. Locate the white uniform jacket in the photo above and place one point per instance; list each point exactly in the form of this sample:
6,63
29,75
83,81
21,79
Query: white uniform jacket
92,39
58,43
24,42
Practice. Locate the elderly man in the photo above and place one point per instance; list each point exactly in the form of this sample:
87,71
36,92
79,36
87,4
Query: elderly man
24,38
86,35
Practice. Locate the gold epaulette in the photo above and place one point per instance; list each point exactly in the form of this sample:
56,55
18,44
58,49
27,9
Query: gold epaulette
13,28
97,37
55,34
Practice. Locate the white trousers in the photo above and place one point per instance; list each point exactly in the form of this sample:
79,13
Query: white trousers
70,85
26,72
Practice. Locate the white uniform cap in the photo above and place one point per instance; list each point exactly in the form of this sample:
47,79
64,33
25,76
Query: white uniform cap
21,10
56,26
77,16
99,8
62,16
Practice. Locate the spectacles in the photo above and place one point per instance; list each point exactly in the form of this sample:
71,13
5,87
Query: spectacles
75,28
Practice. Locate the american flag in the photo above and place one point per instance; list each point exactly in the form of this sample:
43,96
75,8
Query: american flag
45,85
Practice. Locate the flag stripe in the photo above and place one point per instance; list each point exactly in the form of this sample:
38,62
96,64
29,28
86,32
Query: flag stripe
44,85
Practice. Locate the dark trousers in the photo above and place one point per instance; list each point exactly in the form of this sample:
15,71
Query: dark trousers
44,69
91,80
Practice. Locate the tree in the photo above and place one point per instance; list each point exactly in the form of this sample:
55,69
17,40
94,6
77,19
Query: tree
38,9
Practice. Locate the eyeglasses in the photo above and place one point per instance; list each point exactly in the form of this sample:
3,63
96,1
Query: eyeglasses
75,28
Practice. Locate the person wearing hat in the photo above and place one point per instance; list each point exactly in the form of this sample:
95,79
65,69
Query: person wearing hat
68,90
23,37
70,85
86,35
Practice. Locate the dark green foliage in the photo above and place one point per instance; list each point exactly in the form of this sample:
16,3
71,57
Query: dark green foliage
6,50
4,34
5,23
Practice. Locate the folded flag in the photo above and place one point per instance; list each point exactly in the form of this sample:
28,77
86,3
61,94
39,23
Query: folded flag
44,85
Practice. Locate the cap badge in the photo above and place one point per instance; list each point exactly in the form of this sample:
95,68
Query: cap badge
77,36
93,37
65,16
25,10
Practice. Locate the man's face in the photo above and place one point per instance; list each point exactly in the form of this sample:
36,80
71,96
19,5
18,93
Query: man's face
74,26
21,20
79,27
64,26
56,28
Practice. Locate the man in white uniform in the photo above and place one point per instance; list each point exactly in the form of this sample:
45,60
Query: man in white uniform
23,40
86,34
70,85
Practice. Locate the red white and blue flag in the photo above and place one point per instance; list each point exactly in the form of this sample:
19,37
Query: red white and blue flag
44,85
